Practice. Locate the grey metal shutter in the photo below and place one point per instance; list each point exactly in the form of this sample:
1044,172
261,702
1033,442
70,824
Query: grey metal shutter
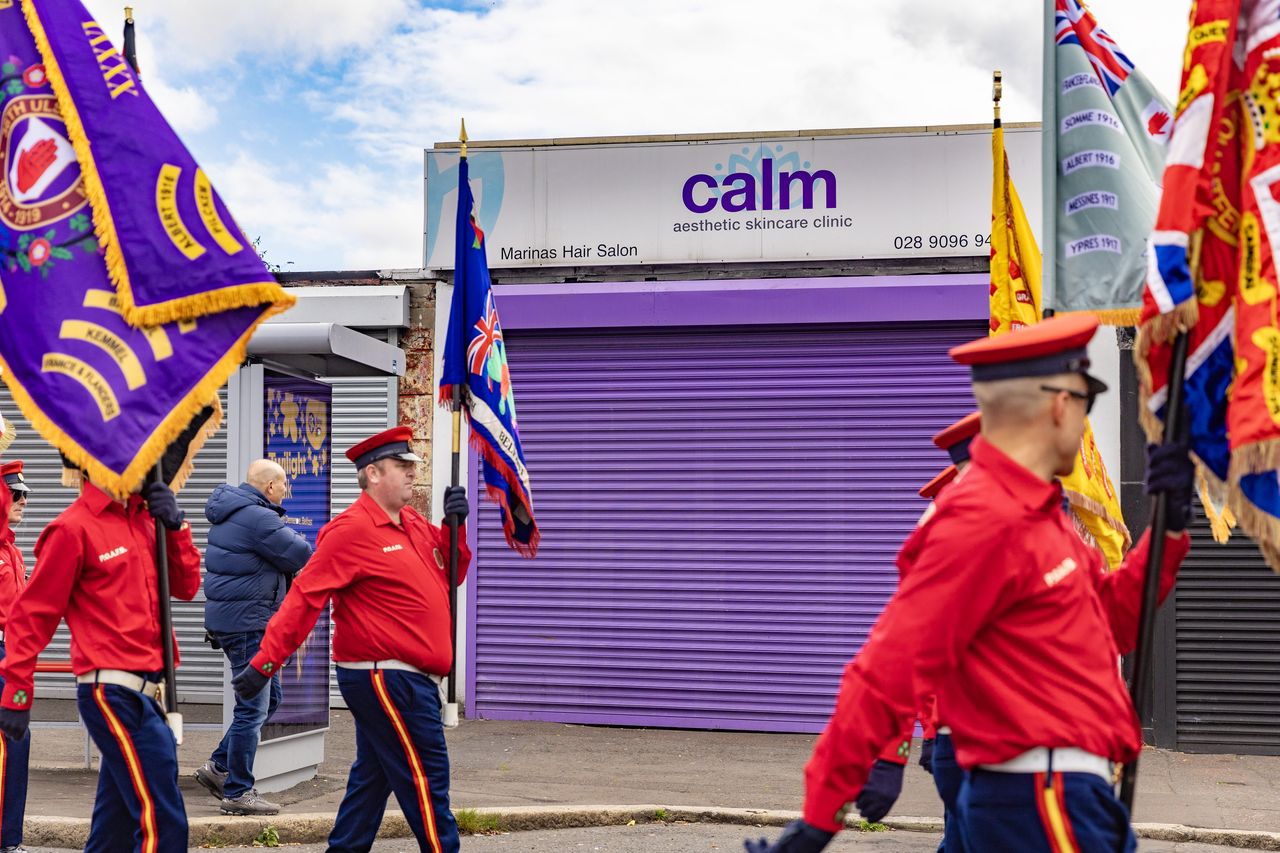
720,509
1227,617
361,408
200,676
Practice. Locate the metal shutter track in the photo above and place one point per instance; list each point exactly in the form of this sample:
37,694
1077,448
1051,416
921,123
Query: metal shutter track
720,510
1228,648
200,676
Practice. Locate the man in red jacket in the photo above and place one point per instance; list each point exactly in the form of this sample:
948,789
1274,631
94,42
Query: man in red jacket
96,566
15,754
1011,620
386,569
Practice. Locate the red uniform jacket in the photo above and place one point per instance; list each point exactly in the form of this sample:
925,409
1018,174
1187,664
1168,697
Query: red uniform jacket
96,565
390,588
13,572
1010,619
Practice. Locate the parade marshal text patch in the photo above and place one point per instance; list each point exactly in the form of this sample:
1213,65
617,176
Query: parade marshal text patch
119,551
387,549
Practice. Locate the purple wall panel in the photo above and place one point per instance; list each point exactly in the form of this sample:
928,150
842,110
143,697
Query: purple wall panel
720,507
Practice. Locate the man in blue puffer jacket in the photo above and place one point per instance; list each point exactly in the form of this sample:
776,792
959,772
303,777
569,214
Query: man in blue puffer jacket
250,563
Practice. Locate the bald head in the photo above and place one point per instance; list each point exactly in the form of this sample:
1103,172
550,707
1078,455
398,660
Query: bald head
268,478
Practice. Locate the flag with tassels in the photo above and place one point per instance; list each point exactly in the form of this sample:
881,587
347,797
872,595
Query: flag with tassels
1193,267
103,212
1015,304
1108,134
475,357
1253,414
172,248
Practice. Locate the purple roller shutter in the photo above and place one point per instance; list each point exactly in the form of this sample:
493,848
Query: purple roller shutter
720,511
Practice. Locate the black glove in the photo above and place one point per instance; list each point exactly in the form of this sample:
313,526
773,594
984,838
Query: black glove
162,504
1171,471
926,754
14,723
798,837
455,502
249,683
884,785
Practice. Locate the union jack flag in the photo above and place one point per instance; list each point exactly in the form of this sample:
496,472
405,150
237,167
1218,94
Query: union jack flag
490,334
1076,25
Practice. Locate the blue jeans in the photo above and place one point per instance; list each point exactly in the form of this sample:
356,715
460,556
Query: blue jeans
234,755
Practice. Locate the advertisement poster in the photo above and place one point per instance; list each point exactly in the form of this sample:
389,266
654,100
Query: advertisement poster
296,435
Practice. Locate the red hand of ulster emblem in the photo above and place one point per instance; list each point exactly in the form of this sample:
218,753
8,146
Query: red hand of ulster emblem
33,162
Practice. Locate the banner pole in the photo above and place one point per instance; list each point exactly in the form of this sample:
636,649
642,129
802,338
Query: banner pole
451,710
1049,162
166,623
1139,687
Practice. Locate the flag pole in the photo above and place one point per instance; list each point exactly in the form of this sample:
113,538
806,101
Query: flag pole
166,623
1049,161
170,697
130,42
451,707
1139,692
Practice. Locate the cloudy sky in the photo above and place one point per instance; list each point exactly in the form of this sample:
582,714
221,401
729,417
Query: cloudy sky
311,115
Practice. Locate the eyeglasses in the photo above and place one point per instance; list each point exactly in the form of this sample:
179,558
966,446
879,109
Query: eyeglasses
19,494
1086,397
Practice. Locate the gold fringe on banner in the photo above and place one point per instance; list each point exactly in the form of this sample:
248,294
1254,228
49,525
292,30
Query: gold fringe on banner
1114,316
8,432
1260,526
104,228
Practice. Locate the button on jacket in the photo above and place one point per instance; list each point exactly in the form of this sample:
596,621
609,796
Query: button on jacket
96,565
1010,619
390,588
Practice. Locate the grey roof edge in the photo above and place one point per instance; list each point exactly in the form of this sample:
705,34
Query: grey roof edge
907,130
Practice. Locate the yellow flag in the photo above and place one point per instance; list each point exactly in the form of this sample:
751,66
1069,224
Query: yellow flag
1015,303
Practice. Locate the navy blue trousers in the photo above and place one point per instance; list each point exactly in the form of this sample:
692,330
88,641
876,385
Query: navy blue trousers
400,749
138,806
1043,813
13,783
948,778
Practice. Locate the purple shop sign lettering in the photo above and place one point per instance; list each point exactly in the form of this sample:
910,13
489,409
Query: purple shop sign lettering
741,191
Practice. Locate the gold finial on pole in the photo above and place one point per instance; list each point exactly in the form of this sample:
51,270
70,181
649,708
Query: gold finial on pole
997,90
462,137
128,14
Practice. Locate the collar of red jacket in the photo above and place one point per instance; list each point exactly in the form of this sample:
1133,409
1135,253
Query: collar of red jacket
99,501
1022,485
377,513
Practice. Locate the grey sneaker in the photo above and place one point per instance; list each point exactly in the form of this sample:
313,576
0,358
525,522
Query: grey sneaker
249,804
17,849
212,780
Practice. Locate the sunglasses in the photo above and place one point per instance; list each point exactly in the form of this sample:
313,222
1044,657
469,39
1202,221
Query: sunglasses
19,494
1085,396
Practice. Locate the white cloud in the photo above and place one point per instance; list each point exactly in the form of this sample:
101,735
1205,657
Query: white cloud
204,35
186,108
333,217
392,77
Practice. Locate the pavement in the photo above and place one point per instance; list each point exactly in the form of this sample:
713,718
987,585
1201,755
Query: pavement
543,775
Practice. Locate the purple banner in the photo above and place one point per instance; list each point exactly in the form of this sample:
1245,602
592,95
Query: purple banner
108,395
297,436
172,247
